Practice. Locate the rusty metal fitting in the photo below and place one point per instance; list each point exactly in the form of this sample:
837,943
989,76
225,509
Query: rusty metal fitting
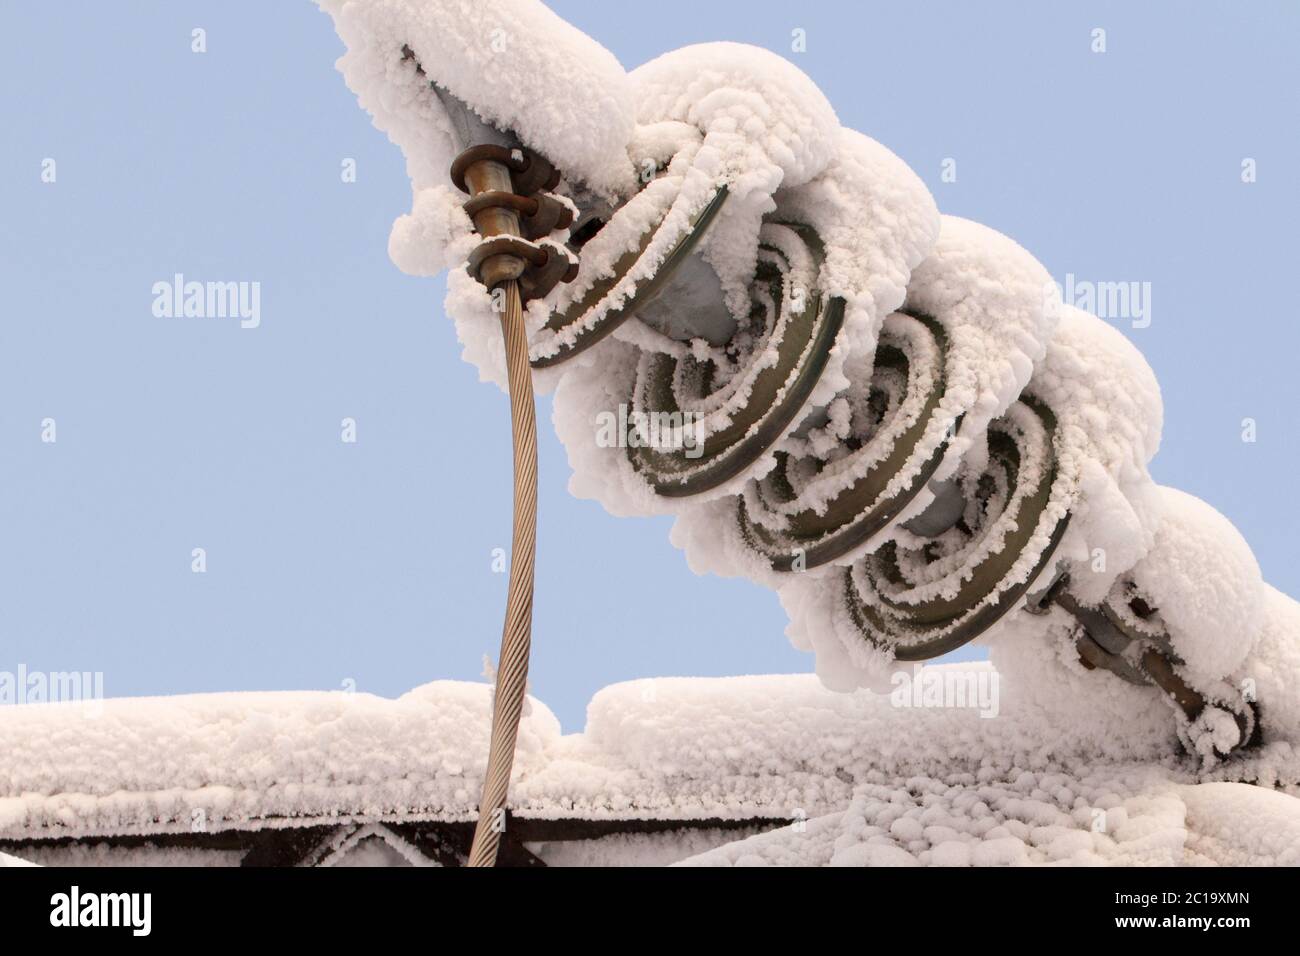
540,215
551,214
537,281
529,172
502,258
499,181
1105,641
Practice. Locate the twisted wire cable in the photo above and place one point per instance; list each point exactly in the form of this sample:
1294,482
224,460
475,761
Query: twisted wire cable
516,633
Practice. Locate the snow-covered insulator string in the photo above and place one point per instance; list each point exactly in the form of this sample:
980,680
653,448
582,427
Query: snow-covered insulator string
614,298
739,408
915,582
793,520
925,600
886,414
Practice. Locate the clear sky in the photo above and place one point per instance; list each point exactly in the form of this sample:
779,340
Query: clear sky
370,564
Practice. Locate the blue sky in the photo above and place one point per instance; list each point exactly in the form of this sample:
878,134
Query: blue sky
371,563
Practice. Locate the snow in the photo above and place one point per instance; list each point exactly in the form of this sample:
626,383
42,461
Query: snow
658,144
1274,668
1133,818
764,125
739,749
665,207
1109,415
371,846
998,306
372,852
1203,578
876,784
604,471
725,114
515,62
99,853
1239,825
213,759
520,67
878,222
636,849
716,113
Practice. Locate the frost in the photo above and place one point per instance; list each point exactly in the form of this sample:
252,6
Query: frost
976,318
1060,774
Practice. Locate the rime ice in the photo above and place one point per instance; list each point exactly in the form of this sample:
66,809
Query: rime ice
1045,418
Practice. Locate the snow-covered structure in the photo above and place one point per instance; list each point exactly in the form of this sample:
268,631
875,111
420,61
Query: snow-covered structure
758,320
955,766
